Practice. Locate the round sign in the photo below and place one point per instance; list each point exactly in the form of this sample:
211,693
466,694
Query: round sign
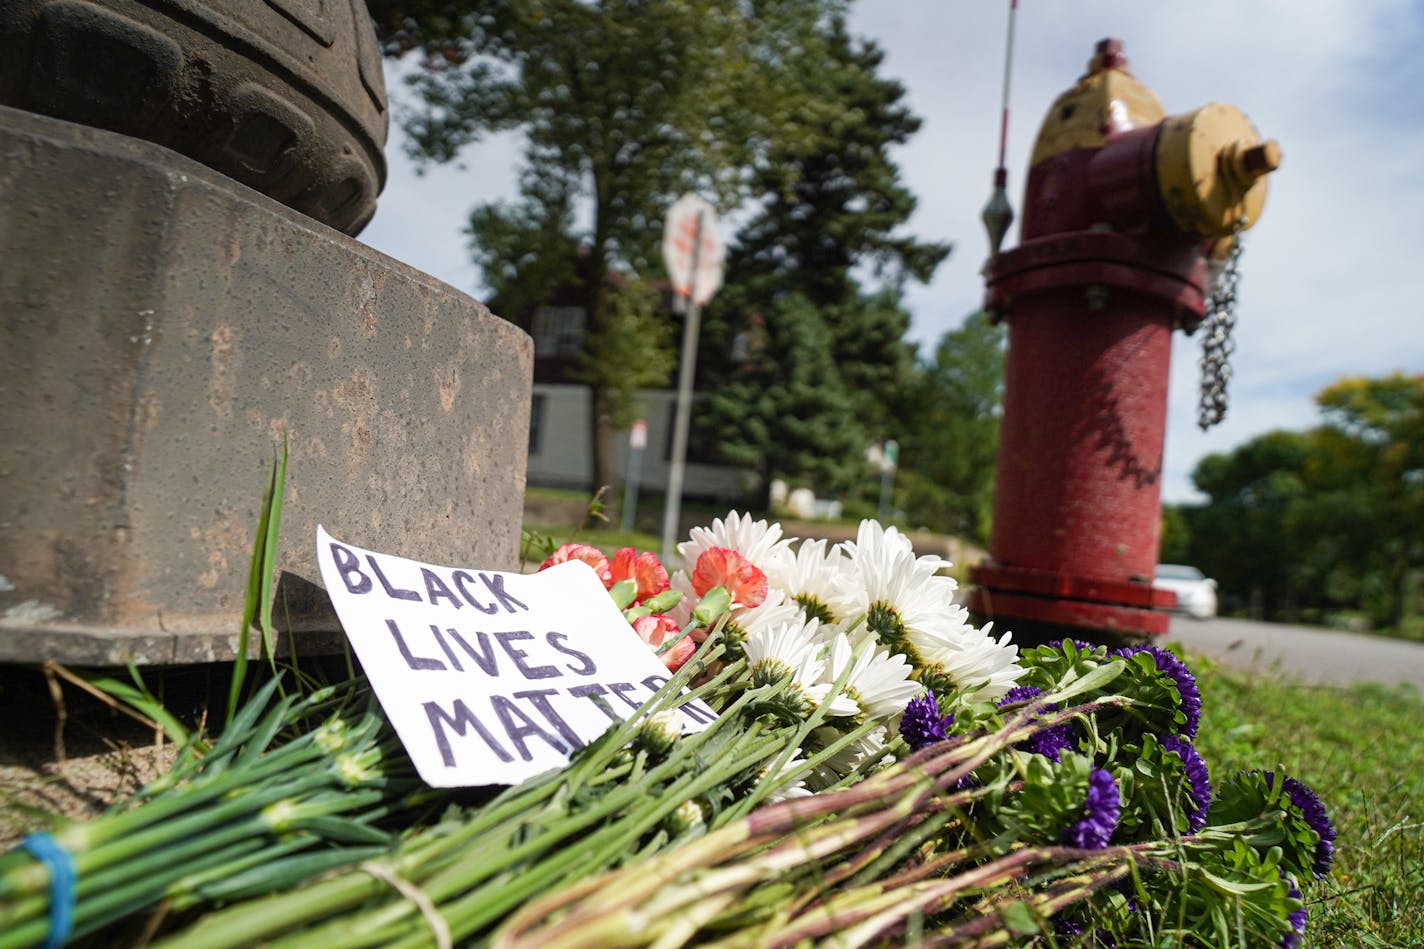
693,250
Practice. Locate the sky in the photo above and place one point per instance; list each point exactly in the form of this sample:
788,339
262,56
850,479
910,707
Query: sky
1331,280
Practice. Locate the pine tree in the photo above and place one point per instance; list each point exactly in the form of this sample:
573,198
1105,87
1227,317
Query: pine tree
828,233
786,413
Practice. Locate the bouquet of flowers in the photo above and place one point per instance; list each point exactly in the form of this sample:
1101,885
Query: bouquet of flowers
880,769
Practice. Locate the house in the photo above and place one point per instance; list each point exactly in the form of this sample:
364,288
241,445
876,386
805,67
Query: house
560,433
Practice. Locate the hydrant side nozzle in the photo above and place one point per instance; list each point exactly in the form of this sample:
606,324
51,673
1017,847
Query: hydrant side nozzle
1211,169
1244,162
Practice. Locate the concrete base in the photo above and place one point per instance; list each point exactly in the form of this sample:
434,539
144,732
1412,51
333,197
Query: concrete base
163,329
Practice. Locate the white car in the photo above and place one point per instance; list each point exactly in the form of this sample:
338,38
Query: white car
1196,593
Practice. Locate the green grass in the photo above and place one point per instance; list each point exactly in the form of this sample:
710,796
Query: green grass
1362,750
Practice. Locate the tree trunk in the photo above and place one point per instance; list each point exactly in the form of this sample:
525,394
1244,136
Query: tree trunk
601,421
604,465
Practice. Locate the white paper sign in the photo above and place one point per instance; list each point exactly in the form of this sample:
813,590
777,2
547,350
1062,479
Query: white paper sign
489,677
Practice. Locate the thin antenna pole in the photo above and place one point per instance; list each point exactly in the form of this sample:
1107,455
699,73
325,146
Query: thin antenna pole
998,215
1008,72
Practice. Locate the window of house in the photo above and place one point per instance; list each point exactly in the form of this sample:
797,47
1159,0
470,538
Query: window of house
557,330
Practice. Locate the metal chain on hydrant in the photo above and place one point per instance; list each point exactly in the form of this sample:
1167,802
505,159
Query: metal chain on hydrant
1217,343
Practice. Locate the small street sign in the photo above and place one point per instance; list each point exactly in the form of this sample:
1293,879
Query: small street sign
693,249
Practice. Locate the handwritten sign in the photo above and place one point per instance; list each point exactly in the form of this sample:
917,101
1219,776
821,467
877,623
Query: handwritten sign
489,677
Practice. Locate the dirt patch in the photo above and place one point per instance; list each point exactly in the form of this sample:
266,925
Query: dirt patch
65,755
42,794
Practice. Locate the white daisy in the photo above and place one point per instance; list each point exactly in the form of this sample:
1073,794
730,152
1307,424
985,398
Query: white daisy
977,661
785,651
796,772
808,577
758,541
847,759
880,684
911,610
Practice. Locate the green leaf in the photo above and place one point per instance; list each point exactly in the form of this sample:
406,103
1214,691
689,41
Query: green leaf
1019,918
1096,679
140,698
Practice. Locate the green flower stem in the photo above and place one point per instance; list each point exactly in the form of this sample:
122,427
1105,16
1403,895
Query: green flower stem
469,870
871,919
245,924
599,754
88,842
667,899
155,840
813,721
130,857
715,845
124,899
907,840
686,924
261,866
601,849
908,787
250,923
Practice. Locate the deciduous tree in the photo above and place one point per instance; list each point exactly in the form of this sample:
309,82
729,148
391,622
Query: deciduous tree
624,104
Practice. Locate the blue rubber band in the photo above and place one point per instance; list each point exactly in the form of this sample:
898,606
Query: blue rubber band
62,879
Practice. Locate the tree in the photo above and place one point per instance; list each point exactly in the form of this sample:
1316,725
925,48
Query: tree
625,104
1328,518
827,236
1371,448
951,439
834,202
635,354
786,413
1239,536
832,217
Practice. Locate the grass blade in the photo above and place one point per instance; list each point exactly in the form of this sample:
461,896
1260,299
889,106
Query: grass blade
259,580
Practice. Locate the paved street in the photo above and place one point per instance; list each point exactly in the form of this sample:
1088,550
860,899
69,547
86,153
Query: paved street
1306,653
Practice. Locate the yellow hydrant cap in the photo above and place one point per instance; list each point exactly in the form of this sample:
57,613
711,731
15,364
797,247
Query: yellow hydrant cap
1211,170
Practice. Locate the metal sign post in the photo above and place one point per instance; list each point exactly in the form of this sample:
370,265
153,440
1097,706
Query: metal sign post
693,252
637,441
890,461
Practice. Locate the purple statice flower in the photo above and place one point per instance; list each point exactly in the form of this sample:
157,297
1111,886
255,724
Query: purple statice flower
1082,646
1198,781
1049,742
922,725
1186,683
1297,919
1314,812
1100,813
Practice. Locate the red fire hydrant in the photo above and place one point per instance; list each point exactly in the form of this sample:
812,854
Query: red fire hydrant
1122,210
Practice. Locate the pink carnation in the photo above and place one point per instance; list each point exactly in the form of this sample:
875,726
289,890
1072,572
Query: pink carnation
656,630
724,567
589,555
643,569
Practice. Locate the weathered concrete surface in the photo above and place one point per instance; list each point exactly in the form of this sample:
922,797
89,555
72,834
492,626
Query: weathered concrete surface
162,330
